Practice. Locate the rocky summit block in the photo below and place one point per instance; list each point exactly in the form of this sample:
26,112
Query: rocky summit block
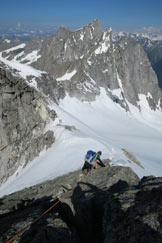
80,217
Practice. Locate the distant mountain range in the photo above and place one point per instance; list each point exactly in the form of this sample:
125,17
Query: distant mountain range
26,32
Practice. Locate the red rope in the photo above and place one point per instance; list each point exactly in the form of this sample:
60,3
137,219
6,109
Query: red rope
1,149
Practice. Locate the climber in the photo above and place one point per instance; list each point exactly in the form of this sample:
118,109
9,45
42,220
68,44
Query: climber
91,160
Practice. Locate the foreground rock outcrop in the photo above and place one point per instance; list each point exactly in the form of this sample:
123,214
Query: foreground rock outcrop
134,214
110,205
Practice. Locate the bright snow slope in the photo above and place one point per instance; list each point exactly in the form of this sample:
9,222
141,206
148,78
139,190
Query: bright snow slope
100,125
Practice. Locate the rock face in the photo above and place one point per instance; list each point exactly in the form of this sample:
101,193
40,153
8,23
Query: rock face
153,48
23,116
135,72
109,205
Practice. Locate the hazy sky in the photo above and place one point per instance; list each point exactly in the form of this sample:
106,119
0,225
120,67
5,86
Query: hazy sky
77,13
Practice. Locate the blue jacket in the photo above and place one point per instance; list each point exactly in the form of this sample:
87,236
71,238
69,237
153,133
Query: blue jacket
90,156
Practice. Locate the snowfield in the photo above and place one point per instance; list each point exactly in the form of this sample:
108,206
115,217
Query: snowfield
99,125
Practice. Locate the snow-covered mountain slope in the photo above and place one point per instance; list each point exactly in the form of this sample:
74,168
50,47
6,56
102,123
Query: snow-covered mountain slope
99,125
106,98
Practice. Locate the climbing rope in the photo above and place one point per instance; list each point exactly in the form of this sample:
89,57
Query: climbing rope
49,209
2,148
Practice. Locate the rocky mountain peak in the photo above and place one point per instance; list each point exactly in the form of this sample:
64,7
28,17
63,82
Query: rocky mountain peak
95,28
95,24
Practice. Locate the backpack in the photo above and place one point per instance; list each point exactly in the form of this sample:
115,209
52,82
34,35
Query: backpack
90,155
